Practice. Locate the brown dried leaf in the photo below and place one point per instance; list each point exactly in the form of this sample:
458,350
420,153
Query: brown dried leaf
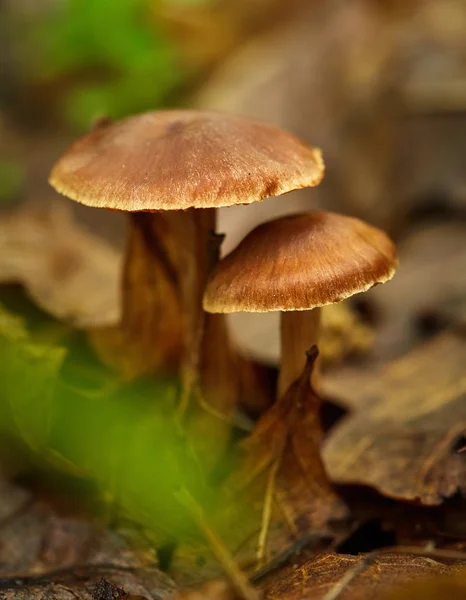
282,473
68,272
428,284
451,587
104,590
401,438
343,577
211,590
44,555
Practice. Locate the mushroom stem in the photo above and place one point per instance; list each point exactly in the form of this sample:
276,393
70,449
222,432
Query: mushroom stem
194,238
299,331
214,373
164,278
165,328
152,309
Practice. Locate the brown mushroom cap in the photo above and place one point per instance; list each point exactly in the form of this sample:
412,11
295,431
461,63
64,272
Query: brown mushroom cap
301,262
180,159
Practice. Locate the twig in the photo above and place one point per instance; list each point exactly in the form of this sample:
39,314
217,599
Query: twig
267,512
222,553
294,550
190,371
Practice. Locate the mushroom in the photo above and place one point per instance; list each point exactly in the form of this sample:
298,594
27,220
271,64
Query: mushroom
297,264
159,166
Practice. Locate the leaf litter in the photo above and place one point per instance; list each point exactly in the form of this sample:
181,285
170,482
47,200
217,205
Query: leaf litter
401,438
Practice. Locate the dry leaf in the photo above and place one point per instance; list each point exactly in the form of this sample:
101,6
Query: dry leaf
212,590
104,590
343,577
282,477
449,587
44,555
408,417
428,285
67,271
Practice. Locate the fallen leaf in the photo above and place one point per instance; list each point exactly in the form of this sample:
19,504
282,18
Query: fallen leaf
281,478
451,587
67,271
104,590
45,555
344,577
211,590
407,419
427,287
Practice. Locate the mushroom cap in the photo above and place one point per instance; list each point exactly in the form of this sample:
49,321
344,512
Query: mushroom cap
179,159
300,262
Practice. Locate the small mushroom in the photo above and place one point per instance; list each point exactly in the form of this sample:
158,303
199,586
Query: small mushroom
159,166
297,264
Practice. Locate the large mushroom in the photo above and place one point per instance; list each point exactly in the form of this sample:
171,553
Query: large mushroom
159,166
297,264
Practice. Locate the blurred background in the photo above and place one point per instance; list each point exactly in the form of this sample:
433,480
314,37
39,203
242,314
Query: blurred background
379,85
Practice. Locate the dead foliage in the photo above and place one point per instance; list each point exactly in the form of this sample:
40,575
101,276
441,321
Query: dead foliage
343,577
428,291
451,586
281,475
45,555
67,271
402,437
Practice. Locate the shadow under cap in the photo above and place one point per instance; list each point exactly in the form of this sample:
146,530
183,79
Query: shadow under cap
179,159
301,262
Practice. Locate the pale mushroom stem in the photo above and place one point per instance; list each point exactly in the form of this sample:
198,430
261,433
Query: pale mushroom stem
152,327
168,260
164,278
299,331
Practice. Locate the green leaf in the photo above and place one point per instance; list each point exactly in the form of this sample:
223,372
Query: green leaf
121,61
28,375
